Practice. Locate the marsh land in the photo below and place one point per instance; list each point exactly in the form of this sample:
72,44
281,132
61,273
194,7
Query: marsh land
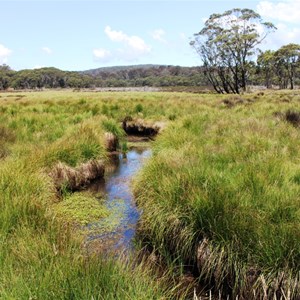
219,195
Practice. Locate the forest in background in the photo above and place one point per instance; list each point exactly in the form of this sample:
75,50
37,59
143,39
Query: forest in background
130,76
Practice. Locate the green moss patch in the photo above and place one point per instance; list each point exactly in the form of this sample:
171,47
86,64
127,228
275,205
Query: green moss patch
81,209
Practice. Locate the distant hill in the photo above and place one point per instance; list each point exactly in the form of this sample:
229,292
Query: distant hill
113,69
118,76
148,75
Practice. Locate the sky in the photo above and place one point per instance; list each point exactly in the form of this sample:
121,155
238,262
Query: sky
81,35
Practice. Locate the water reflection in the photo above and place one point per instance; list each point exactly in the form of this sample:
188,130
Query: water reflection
115,233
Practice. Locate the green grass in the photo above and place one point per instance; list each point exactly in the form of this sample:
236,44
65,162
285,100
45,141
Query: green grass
41,257
228,173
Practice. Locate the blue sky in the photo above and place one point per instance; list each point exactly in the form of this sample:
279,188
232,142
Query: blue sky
81,35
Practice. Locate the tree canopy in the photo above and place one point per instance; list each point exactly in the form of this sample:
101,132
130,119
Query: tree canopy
226,44
287,60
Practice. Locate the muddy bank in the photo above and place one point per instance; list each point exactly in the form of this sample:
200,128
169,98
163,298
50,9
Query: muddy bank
74,179
140,127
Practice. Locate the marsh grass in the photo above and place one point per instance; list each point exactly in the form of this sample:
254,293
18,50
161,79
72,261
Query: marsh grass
225,175
7,137
41,256
228,176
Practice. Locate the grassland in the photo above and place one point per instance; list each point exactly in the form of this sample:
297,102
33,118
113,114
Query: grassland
40,256
222,191
223,182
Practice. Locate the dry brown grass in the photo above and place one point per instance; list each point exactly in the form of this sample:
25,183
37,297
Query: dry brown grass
221,269
73,179
111,141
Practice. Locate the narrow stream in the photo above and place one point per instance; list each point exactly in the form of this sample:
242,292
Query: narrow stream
115,233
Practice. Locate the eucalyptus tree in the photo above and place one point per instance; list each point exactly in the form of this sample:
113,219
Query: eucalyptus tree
266,67
6,73
287,62
226,44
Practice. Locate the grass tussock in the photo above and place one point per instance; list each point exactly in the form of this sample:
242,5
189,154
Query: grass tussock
230,180
293,117
290,116
40,256
7,134
111,142
72,179
235,100
7,137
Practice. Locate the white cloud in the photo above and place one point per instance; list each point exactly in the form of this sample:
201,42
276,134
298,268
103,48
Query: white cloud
158,35
288,35
137,44
132,46
286,10
285,14
4,54
47,50
102,54
115,36
282,36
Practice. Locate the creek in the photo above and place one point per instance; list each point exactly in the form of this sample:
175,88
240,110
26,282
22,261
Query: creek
115,233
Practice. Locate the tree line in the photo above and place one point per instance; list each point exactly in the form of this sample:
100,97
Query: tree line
281,67
156,76
42,78
273,68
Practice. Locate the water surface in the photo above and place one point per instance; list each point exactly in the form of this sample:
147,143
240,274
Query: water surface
115,233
